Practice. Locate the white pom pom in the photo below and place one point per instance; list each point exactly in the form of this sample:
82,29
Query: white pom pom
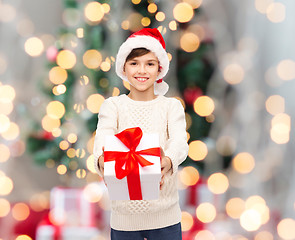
161,88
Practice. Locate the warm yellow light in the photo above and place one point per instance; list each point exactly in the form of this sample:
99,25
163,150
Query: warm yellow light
49,124
66,59
225,145
5,107
93,192
204,106
80,153
72,137
126,85
94,12
105,66
125,24
276,12
61,169
189,176
253,200
94,102
280,128
187,221
263,211
183,12
106,7
160,16
5,153
20,211
243,163
58,75
235,207
262,5
233,73
56,132
204,235
173,25
286,229
4,123
4,207
59,89
23,237
81,173
92,59
145,21
275,104
189,42
12,132
71,153
34,47
218,183
116,91
7,93
250,220
55,110
80,32
197,150
136,1
152,8
286,69
194,3
264,235
90,164
6,185
64,145
206,212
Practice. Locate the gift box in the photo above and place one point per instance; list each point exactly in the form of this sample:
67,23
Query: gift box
132,168
69,206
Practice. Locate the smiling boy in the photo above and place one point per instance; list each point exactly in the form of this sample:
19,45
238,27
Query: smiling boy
142,61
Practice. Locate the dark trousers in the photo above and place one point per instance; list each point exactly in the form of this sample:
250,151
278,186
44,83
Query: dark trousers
166,233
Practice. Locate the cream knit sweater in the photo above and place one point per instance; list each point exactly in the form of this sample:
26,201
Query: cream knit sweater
161,115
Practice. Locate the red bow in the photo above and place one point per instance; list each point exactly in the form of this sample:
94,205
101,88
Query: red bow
132,159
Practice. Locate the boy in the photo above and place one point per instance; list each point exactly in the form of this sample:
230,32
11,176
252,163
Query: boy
142,60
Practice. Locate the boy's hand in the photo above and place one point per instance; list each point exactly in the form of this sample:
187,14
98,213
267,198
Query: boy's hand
166,165
101,162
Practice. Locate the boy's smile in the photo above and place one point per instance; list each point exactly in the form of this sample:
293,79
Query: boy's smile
142,72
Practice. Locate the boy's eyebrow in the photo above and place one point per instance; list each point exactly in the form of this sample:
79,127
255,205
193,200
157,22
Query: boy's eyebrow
148,60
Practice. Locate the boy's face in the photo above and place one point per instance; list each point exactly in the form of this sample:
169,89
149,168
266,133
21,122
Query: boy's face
142,72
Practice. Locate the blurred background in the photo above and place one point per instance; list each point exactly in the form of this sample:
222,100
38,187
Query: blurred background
233,69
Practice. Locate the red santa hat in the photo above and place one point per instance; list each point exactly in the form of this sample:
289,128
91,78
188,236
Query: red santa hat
151,39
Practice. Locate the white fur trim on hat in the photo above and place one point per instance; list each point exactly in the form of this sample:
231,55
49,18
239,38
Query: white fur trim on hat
150,43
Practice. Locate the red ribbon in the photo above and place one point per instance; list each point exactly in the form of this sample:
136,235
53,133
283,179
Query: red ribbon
132,159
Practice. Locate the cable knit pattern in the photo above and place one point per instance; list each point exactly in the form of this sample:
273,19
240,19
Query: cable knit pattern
161,115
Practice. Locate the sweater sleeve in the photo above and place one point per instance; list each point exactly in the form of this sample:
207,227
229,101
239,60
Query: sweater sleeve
176,147
107,125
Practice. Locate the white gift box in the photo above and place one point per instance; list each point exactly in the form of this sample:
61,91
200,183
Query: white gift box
69,206
150,176
46,232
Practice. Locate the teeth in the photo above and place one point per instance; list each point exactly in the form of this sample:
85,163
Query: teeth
141,79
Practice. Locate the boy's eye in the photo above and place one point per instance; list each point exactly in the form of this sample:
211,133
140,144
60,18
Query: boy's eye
151,64
132,63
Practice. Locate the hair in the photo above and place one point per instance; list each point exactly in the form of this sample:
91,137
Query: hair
137,52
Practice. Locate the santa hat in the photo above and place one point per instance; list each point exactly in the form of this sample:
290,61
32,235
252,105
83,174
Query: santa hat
151,39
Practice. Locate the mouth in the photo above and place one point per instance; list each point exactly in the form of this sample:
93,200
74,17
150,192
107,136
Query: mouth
141,79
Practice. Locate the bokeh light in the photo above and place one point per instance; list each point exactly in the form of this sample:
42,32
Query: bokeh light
250,220
235,207
183,12
194,3
262,5
34,46
90,164
218,183
286,69
206,212
23,237
4,123
58,75
12,132
4,207
204,235
50,124
6,185
61,169
264,235
197,150
243,162
286,229
5,153
276,12
55,109
20,211
152,8
94,102
233,73
275,104
93,192
7,93
92,59
189,176
66,59
189,42
187,221
160,16
280,128
204,106
94,12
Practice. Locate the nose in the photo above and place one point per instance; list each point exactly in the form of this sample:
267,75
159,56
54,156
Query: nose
141,68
